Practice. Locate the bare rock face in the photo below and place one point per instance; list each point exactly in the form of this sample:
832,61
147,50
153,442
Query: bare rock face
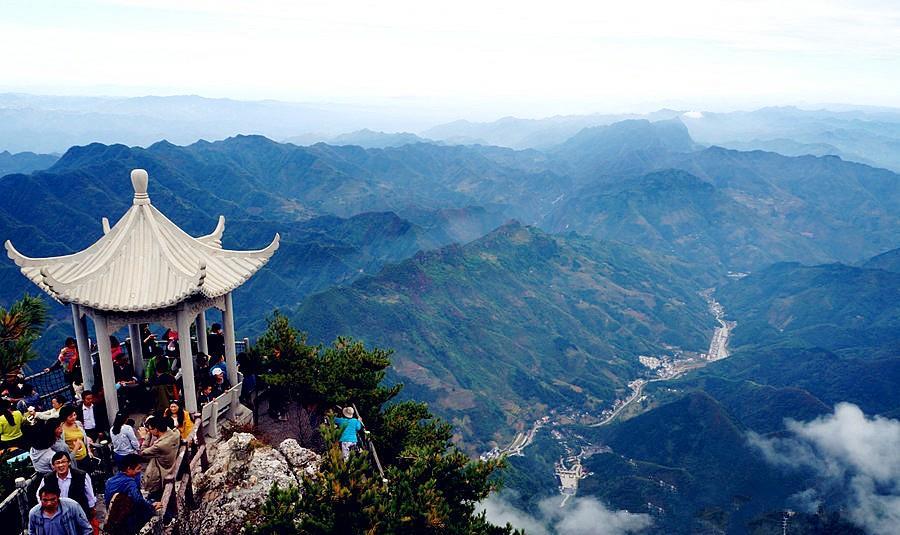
239,478
301,460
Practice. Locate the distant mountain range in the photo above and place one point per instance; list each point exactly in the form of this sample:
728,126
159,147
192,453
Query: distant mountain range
44,123
857,133
24,162
867,135
51,124
364,138
531,133
743,210
622,148
414,246
728,210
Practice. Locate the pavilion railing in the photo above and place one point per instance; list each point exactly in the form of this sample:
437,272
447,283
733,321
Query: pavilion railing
221,408
15,507
240,346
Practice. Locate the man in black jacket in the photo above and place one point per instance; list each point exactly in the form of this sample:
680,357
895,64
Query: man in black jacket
72,482
215,342
92,416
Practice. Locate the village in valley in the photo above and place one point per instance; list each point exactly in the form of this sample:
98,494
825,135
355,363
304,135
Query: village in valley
563,424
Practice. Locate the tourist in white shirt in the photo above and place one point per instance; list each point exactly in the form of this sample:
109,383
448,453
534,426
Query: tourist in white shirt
93,416
56,403
73,483
124,441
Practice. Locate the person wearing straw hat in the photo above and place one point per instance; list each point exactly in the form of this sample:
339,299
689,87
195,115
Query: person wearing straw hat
350,427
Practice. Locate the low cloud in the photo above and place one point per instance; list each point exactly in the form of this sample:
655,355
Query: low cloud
580,516
857,455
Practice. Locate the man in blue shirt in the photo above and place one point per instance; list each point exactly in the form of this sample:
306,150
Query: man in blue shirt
127,509
350,428
57,516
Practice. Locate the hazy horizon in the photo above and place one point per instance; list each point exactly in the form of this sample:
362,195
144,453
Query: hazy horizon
476,61
484,115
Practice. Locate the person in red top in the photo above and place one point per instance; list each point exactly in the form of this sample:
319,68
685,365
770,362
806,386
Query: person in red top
67,360
115,347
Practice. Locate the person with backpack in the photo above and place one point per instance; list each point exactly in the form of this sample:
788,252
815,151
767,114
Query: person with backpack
126,508
350,427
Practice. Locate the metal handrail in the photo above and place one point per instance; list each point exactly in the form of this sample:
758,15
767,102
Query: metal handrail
215,409
370,445
18,498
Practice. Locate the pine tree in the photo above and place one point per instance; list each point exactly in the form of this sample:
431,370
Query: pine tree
430,486
20,326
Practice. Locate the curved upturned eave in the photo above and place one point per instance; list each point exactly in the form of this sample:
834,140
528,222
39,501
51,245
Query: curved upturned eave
27,261
220,270
214,238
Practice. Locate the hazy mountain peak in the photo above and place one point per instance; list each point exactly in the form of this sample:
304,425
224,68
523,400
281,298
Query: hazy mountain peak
371,139
24,162
81,154
888,261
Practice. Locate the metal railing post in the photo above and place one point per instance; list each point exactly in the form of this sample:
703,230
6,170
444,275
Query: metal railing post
214,420
370,445
22,501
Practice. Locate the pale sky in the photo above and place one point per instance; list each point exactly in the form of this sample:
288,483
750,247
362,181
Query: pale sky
520,57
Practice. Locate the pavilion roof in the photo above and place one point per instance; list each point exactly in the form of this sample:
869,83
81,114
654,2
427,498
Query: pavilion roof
144,262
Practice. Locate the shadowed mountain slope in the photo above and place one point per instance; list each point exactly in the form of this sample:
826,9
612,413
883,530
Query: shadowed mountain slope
836,307
492,331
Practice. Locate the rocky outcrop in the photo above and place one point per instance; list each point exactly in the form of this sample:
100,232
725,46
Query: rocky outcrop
241,472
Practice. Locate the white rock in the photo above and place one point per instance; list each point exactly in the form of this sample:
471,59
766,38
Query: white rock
239,478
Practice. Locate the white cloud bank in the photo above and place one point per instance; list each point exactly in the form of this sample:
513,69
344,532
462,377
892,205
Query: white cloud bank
580,516
851,452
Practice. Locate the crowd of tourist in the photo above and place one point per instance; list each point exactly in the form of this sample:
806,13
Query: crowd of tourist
61,434
63,452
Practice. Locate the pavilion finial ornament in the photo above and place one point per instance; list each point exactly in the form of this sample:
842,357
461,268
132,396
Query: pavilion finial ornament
139,180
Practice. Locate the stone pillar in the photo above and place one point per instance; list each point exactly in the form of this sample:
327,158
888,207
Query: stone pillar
106,366
84,348
228,328
137,349
187,360
230,356
202,342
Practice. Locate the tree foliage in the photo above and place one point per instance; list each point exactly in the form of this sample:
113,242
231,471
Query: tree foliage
20,326
430,486
338,375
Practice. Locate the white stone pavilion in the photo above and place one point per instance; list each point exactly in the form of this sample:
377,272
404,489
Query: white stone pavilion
145,269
